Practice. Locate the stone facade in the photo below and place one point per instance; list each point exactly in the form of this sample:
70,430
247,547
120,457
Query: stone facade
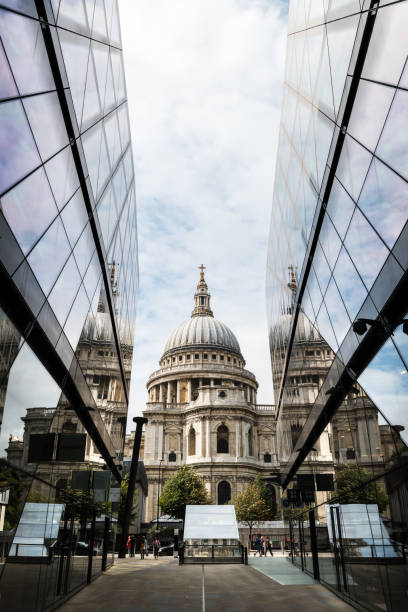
202,410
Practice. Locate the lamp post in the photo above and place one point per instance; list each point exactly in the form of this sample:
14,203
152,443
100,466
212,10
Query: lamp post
140,421
158,495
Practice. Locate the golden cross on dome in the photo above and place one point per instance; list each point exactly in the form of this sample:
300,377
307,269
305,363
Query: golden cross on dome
201,268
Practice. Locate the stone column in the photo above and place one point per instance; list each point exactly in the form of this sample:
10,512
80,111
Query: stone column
244,440
178,392
362,437
237,440
189,383
208,447
199,427
203,436
160,441
161,393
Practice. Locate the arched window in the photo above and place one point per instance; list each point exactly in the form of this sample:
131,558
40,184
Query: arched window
172,456
191,442
271,498
267,458
250,443
222,439
224,492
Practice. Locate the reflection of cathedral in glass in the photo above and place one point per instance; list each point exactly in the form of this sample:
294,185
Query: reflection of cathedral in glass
9,345
68,277
353,434
70,446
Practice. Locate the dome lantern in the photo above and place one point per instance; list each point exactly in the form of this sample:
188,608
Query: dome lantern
202,330
202,298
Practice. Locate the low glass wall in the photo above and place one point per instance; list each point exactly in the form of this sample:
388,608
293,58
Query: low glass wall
58,540
210,551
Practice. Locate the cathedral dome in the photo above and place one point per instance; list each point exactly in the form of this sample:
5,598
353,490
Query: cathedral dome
202,329
305,330
98,328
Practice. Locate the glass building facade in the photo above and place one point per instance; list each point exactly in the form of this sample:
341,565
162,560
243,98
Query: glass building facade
68,282
339,224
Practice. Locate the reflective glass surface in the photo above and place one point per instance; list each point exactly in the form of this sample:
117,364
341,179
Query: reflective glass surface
336,304
67,313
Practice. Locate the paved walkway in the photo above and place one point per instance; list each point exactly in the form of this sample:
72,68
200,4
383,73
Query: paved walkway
281,571
164,586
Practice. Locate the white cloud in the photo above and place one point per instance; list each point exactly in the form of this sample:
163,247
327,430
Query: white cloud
204,82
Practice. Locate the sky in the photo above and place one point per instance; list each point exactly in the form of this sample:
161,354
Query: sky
204,83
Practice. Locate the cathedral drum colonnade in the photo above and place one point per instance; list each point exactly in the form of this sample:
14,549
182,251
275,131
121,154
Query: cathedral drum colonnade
202,410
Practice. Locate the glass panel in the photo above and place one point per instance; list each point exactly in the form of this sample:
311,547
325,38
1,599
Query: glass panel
76,319
49,255
76,52
99,21
349,283
8,87
45,117
109,100
325,328
96,158
28,383
383,200
29,209
392,146
337,312
370,110
388,48
73,16
340,208
22,38
386,382
353,166
18,153
64,290
62,175
93,103
341,35
365,248
84,249
100,55
330,242
118,75
112,136
92,276
74,216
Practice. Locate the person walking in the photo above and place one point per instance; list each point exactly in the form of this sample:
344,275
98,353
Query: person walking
128,544
256,545
142,547
268,546
156,546
132,545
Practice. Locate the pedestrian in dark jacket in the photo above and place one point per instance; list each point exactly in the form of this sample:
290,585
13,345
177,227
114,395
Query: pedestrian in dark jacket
268,546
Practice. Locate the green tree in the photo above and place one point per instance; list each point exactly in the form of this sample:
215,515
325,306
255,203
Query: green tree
18,484
296,513
353,486
135,505
185,487
250,505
